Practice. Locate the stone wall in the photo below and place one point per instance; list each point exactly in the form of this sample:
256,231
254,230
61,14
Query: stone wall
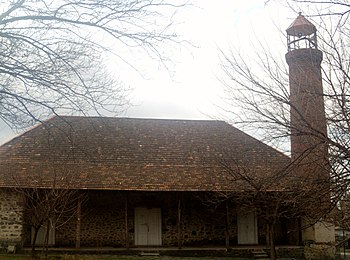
315,251
206,225
103,220
11,216
200,224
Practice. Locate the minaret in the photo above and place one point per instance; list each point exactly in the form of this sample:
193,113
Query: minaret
309,149
307,114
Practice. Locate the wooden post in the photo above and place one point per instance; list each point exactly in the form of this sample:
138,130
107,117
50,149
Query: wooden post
78,228
179,224
227,233
300,232
126,224
267,235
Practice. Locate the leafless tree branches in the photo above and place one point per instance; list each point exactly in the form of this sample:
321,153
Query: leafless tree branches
50,208
258,97
51,53
257,89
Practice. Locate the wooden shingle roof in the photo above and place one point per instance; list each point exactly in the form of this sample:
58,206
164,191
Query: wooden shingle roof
134,154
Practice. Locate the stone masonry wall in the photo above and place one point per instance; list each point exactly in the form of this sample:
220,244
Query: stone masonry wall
11,216
103,220
206,225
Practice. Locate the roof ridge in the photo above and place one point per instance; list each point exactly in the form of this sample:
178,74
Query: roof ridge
138,118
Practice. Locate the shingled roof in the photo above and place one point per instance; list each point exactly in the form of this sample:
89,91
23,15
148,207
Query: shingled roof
134,154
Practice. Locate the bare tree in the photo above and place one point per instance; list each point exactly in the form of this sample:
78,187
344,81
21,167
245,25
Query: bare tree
51,53
49,208
52,62
49,204
342,213
278,196
258,96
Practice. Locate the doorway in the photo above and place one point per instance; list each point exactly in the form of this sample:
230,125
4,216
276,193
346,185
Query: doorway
148,227
247,224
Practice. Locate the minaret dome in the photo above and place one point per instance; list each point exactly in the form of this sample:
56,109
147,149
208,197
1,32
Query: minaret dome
301,34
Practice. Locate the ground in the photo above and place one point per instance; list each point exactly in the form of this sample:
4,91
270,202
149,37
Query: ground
110,257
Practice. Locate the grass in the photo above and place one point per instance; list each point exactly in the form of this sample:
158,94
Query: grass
76,257
109,257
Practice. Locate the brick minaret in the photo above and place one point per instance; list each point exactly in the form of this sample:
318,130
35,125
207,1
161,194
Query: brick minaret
308,122
309,148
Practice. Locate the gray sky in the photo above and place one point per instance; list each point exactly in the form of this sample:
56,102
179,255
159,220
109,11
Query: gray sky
194,91
190,88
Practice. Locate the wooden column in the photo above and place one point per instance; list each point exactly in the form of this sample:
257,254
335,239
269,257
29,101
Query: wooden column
126,224
78,228
267,235
300,232
179,237
227,233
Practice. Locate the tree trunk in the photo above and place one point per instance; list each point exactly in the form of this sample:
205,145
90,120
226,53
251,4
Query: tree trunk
36,230
271,229
46,244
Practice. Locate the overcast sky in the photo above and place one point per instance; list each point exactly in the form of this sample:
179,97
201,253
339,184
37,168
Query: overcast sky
194,91
190,88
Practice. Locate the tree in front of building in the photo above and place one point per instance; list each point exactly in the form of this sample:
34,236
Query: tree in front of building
314,119
52,54
48,209
259,96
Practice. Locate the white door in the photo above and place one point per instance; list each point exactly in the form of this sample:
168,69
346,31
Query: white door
247,224
148,227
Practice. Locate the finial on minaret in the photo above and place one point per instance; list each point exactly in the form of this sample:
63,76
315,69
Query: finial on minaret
301,34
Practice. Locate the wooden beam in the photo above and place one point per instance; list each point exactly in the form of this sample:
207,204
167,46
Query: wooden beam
78,228
300,232
179,236
227,233
127,245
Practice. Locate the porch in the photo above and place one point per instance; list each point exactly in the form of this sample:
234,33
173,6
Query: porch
123,220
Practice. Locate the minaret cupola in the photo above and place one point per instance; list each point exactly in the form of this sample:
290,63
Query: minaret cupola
301,34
